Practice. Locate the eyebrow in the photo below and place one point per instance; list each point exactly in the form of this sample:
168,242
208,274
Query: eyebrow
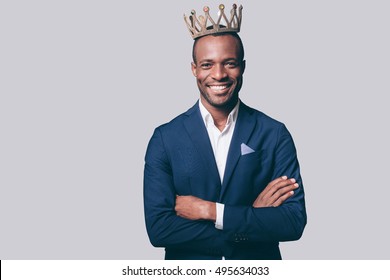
211,60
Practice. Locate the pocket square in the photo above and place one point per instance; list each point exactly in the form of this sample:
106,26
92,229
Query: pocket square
246,149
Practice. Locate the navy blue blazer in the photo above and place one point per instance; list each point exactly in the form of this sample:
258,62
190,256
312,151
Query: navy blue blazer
180,161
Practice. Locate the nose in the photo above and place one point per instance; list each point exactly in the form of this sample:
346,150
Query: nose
218,72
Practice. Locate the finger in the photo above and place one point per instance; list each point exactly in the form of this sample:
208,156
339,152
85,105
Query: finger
268,193
280,194
283,198
270,198
282,184
274,182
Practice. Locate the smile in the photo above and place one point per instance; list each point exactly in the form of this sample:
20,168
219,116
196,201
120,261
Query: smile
218,87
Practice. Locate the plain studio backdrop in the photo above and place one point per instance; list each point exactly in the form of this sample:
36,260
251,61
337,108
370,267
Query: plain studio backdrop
84,83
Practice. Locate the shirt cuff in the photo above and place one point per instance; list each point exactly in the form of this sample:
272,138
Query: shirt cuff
219,219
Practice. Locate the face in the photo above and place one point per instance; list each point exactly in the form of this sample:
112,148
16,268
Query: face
218,70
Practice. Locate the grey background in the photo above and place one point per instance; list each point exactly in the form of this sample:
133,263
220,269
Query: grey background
84,83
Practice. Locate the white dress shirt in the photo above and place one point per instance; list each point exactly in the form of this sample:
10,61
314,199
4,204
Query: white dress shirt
220,142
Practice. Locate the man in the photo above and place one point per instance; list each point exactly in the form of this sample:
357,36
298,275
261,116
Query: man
222,180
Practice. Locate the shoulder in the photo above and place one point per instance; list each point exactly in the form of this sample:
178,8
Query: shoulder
176,124
169,134
265,126
260,117
268,130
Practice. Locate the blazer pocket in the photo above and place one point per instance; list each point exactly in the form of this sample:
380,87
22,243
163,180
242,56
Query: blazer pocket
256,155
254,162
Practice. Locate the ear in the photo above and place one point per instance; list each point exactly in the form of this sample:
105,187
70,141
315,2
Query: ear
193,68
243,65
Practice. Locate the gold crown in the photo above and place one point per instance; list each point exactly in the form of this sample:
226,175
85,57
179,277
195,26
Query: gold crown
205,25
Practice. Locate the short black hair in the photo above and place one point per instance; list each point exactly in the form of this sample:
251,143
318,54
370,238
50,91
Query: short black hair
234,34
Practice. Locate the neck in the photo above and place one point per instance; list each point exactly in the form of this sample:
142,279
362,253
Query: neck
219,114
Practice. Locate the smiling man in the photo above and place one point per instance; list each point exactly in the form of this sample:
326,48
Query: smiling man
222,180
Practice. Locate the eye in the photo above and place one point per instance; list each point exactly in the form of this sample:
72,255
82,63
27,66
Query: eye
231,64
205,65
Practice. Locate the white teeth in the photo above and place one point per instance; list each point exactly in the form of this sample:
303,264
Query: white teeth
218,87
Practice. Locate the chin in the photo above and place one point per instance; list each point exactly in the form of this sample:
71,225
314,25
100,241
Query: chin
221,103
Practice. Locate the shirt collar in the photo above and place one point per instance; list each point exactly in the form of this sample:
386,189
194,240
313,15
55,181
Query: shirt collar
208,119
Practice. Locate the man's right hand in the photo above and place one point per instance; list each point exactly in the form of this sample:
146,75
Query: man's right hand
276,192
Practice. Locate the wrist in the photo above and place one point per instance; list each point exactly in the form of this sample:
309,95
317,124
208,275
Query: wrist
211,211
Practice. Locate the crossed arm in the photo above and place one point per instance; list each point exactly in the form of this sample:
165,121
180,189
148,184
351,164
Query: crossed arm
276,192
173,220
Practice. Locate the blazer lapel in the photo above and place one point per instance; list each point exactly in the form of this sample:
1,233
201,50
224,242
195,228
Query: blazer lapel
243,130
200,138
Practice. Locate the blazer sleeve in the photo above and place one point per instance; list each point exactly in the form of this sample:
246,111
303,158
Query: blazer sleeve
283,223
164,227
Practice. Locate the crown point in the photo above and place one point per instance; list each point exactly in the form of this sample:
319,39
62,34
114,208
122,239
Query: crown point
198,25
